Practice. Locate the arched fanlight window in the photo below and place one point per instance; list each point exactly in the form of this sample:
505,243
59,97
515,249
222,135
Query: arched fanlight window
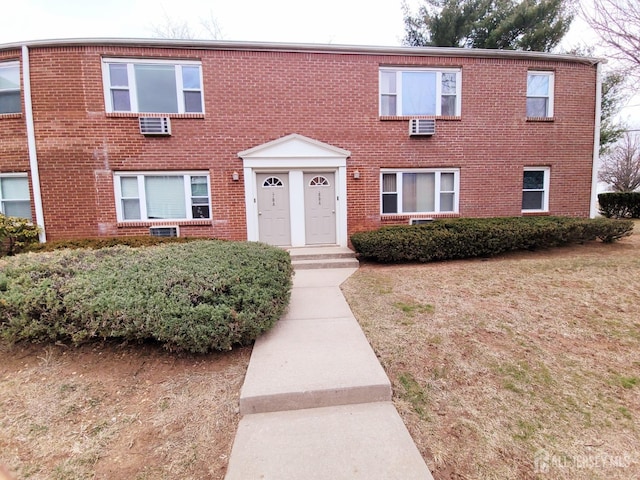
272,182
319,181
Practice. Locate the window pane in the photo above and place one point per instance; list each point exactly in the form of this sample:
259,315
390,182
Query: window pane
156,88
120,100
200,211
131,209
418,191
448,83
9,77
10,102
446,202
165,197
17,209
199,187
388,105
192,102
532,200
389,182
533,180
388,82
389,203
191,77
537,107
446,182
418,93
129,187
448,105
118,75
537,85
14,188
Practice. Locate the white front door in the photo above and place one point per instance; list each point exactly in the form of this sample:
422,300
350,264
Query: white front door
274,222
319,208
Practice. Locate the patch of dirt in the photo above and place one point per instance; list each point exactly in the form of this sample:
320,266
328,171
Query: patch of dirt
526,365
108,411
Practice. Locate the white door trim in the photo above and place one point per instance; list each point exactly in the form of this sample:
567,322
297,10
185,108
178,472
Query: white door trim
295,154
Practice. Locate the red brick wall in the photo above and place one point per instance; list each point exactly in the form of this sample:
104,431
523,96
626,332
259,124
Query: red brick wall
255,97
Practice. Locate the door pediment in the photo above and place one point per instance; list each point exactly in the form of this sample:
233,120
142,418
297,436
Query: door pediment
297,148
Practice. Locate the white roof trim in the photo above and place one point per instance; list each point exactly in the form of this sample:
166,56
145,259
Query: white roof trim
303,47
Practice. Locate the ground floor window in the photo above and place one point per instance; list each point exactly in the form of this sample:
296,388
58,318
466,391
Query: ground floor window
14,196
162,196
535,189
419,191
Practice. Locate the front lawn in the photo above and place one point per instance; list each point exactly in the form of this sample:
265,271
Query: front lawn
522,366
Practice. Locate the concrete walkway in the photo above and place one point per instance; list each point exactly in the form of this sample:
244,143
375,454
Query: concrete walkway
316,403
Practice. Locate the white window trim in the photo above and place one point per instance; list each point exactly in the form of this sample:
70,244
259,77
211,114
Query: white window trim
551,95
2,199
437,171
398,93
133,94
12,64
143,199
545,192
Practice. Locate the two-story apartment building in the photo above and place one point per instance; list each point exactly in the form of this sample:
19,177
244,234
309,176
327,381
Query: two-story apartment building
285,143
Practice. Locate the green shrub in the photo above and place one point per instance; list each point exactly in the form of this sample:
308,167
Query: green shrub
104,242
481,237
16,234
620,204
198,296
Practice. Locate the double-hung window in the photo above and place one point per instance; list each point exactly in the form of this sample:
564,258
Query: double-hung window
535,189
419,191
14,196
162,196
10,87
540,94
153,86
420,92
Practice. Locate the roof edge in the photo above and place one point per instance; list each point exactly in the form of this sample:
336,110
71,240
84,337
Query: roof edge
303,47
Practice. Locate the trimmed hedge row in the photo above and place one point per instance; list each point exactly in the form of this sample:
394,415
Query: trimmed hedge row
481,237
620,204
105,242
197,297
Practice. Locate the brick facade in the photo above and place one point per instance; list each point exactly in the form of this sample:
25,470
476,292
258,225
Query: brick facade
253,96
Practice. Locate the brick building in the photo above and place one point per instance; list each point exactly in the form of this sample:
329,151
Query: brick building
288,144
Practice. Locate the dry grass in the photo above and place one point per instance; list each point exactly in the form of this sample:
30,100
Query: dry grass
501,365
108,412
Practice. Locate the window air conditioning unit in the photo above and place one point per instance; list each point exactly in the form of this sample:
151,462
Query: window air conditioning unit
155,125
422,126
164,231
419,221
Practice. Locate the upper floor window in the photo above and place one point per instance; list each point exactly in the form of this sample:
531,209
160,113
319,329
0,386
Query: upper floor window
535,189
162,196
14,196
419,191
153,86
420,92
10,87
540,94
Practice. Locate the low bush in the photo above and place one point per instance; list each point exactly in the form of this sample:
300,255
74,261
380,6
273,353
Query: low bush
16,234
620,204
198,296
104,242
481,237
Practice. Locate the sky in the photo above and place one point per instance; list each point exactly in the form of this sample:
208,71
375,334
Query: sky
347,22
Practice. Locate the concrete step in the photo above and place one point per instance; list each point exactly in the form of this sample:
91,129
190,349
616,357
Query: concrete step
322,257
362,441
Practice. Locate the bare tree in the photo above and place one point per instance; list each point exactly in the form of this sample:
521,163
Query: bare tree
617,22
181,30
620,167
